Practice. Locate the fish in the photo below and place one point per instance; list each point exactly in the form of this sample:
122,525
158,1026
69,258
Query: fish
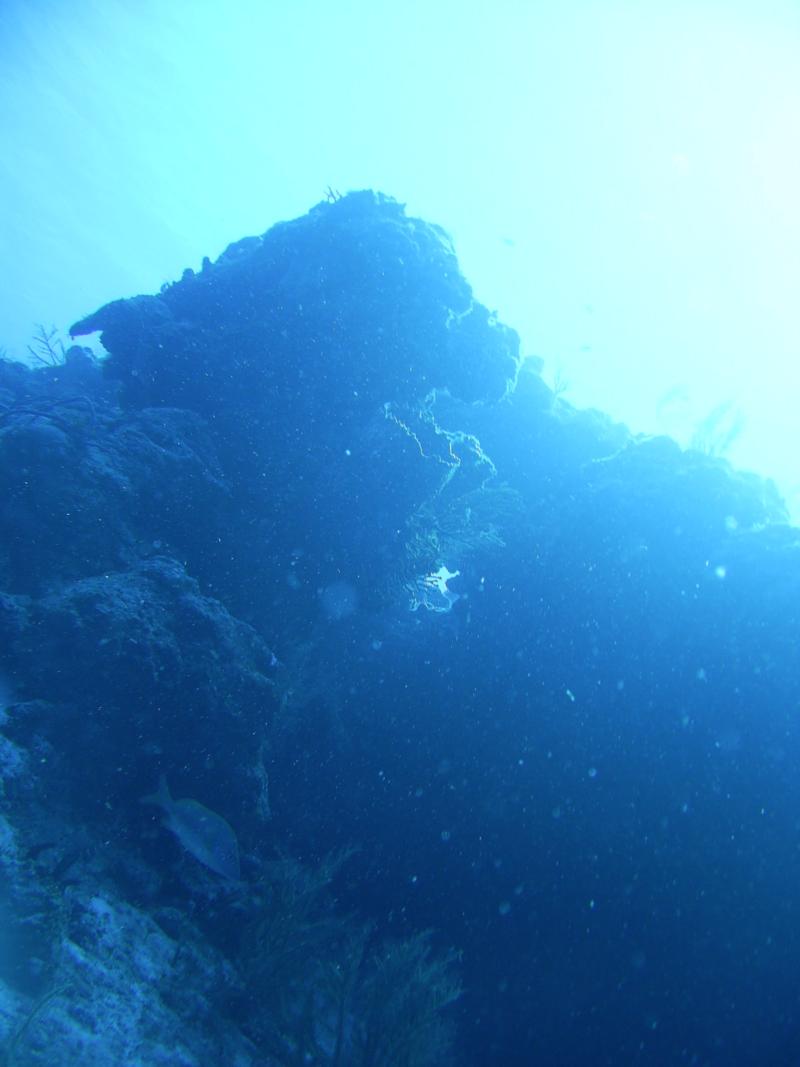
203,833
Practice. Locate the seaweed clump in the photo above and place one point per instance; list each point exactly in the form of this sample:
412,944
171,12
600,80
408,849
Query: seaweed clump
322,990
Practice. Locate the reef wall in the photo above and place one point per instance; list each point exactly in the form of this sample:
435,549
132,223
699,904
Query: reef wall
312,542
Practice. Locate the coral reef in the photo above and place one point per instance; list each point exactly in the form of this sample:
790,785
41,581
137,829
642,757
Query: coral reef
580,775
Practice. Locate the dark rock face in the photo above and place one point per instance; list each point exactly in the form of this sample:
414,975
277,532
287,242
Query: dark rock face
88,485
222,553
356,297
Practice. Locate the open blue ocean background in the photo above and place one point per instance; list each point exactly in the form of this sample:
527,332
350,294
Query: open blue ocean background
399,579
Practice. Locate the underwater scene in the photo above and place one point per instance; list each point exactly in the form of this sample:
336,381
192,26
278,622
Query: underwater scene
366,698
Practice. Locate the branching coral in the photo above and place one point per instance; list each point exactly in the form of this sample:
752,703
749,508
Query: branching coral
318,993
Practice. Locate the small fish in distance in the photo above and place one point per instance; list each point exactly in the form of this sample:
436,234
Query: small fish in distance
208,837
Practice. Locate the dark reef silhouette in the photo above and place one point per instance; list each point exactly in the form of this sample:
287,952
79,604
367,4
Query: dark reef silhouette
498,698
